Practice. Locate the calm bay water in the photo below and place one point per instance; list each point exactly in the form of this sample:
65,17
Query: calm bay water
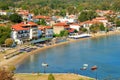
103,52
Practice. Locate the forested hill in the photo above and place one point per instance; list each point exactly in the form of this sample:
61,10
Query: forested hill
45,6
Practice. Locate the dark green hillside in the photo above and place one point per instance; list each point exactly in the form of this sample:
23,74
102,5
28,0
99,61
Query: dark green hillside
46,7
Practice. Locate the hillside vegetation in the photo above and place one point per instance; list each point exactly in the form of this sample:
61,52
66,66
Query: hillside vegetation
60,7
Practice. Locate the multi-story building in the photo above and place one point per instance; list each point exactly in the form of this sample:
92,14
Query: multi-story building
58,27
24,31
46,31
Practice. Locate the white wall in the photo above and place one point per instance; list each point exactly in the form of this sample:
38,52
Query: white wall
77,27
30,35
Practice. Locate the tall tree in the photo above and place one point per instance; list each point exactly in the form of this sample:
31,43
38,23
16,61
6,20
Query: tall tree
15,18
4,34
86,15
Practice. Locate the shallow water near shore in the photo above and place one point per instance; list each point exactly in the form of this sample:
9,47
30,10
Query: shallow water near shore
69,58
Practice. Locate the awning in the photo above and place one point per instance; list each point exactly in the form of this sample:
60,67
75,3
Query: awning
39,40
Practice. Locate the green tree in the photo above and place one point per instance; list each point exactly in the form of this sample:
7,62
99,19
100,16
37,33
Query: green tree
51,77
101,26
4,34
64,33
62,13
15,18
56,35
42,22
4,6
83,29
117,23
94,28
86,15
4,17
75,31
9,42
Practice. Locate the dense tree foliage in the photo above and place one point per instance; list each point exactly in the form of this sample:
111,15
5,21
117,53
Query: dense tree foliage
4,17
64,33
86,15
42,22
97,27
15,18
50,7
83,29
117,23
4,34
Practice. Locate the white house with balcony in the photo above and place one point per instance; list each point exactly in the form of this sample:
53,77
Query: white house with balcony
24,31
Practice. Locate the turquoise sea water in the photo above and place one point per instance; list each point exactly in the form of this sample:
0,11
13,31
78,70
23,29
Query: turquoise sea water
103,52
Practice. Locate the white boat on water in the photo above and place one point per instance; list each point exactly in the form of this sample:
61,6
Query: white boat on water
44,64
80,36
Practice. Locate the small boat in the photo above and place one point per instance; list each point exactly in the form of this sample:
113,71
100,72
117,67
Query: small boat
44,64
85,66
94,67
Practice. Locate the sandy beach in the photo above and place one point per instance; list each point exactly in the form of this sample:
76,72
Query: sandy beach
19,58
57,76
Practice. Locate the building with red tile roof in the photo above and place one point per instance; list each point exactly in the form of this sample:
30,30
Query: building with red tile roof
24,31
104,12
59,27
47,31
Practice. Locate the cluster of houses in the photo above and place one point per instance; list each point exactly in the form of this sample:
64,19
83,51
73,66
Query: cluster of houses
28,30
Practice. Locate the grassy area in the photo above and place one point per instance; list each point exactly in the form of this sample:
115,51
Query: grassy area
45,77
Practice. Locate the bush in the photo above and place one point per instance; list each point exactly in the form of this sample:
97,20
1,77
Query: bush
51,77
9,42
6,74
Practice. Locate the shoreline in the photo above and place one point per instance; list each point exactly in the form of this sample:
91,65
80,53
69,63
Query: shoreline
57,76
19,58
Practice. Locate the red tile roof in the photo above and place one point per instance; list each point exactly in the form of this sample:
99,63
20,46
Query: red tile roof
41,17
71,30
75,24
101,18
23,12
61,24
21,25
44,27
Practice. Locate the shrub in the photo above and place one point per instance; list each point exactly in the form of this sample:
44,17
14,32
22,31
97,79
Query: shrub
51,77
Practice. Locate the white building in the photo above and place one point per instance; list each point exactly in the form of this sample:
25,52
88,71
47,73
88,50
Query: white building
24,31
3,13
69,20
75,26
